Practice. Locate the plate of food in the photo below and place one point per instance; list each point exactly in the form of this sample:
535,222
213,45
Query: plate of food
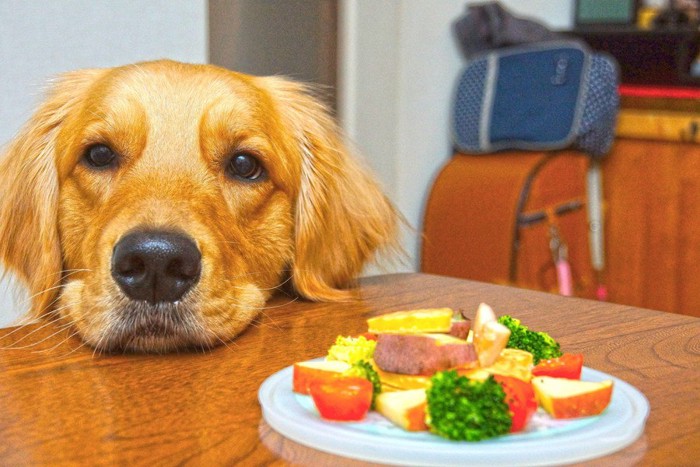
424,388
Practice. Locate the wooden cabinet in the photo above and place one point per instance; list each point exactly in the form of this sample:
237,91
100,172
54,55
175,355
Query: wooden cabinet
652,192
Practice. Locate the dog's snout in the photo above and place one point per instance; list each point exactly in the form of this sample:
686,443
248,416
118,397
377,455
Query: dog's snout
156,266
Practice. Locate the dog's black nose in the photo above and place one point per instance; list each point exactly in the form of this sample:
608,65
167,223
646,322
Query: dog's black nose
156,266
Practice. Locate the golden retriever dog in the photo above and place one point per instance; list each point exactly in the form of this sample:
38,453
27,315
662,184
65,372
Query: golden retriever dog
159,205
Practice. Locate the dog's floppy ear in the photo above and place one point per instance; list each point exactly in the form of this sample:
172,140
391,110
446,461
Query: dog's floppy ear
342,216
29,244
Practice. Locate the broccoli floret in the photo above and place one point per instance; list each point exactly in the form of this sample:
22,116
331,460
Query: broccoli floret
540,344
351,349
467,410
364,369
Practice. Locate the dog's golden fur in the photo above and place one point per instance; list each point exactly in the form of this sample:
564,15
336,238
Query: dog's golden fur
314,219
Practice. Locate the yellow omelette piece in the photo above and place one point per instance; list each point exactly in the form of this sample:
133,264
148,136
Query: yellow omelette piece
413,321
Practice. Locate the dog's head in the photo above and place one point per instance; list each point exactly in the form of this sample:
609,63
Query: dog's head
159,205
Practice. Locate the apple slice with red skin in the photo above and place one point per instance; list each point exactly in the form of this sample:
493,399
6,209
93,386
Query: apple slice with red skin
570,398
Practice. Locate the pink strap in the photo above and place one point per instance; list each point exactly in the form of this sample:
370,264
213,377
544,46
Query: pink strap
564,278
601,293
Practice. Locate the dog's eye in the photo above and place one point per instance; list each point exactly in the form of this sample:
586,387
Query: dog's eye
245,166
100,156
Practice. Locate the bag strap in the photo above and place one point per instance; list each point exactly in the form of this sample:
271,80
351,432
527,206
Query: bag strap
525,219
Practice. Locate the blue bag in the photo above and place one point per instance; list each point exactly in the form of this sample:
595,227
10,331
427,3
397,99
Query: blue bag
542,96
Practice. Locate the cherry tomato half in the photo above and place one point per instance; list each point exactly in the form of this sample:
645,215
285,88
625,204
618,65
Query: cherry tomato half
520,397
568,366
343,398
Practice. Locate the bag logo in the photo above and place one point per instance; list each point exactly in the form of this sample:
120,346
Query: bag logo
561,65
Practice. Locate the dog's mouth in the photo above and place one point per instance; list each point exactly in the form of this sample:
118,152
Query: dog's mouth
163,327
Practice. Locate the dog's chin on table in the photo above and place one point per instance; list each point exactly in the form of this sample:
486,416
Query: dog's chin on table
158,206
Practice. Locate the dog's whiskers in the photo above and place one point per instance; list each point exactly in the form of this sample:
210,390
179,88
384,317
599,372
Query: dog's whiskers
64,274
97,348
266,289
83,344
61,329
223,341
77,332
201,331
48,321
21,324
59,344
266,307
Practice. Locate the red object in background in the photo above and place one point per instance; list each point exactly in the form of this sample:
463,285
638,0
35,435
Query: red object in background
520,398
342,399
659,92
567,366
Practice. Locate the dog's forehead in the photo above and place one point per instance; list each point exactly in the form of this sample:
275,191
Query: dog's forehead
170,90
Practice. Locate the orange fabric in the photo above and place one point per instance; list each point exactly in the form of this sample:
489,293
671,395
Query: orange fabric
470,219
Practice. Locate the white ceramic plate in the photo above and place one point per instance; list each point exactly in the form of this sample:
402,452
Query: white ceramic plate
375,439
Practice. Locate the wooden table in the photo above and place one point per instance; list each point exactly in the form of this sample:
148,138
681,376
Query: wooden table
61,404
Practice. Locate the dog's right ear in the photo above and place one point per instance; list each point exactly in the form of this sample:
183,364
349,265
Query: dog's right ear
29,244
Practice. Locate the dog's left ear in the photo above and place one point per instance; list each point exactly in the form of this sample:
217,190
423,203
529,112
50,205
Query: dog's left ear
342,216
29,244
